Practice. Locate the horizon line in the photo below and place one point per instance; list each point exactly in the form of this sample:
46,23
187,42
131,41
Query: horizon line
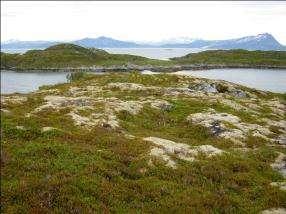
135,41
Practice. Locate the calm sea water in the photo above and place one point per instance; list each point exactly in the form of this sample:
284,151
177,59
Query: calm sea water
12,82
273,80
155,53
263,79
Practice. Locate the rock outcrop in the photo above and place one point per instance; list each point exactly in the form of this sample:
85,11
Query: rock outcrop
217,87
229,126
164,148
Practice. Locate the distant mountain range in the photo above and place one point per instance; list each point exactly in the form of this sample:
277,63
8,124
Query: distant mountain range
263,41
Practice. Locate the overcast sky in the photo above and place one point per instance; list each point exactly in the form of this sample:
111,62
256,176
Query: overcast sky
145,21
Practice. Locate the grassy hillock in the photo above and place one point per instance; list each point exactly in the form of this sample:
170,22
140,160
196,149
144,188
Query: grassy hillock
234,57
70,56
133,143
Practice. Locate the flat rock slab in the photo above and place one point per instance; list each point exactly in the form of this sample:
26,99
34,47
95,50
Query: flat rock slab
274,211
164,148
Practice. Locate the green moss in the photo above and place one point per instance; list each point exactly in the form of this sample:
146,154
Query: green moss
73,169
229,125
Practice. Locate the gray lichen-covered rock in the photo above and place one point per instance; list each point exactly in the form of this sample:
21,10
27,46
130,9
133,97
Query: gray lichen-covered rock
217,87
13,99
282,139
280,185
164,148
47,129
218,124
280,164
204,86
274,211
238,93
161,104
5,111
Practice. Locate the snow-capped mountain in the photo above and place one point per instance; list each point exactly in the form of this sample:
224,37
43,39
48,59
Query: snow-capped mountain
263,41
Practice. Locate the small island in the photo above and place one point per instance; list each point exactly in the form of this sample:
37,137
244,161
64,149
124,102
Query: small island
70,57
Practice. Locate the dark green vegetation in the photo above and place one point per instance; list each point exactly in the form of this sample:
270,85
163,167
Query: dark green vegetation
67,56
75,170
70,56
235,58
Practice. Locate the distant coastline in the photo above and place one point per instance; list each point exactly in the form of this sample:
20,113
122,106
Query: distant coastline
72,58
142,68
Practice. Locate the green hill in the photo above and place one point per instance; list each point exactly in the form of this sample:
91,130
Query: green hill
69,55
73,56
234,57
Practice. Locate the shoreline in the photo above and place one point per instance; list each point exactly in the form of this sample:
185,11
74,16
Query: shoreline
54,72
143,68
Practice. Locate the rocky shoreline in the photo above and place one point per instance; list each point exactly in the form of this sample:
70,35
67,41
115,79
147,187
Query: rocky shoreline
128,68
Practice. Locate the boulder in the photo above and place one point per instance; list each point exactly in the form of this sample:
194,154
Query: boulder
204,86
217,87
238,93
